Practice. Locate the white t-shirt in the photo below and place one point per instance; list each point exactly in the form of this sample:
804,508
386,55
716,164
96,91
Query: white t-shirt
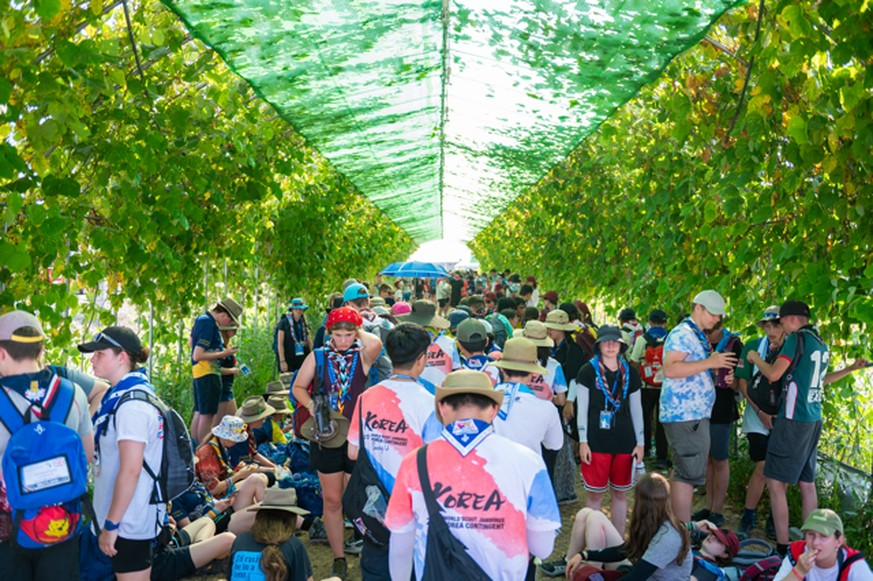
527,419
859,571
552,383
135,421
442,359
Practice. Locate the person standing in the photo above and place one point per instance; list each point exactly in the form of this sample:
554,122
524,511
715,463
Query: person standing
207,349
687,396
647,355
493,494
442,355
128,437
31,393
293,337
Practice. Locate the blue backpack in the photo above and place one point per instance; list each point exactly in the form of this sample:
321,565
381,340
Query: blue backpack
45,467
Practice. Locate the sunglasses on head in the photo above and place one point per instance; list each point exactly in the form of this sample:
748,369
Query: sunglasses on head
103,337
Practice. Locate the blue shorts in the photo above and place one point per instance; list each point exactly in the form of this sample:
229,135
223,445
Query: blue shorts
226,388
207,394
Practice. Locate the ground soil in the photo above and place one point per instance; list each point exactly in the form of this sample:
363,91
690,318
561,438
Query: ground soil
322,559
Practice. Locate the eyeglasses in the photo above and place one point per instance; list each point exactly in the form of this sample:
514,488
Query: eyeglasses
103,337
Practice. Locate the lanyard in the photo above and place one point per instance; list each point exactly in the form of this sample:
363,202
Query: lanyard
608,395
409,377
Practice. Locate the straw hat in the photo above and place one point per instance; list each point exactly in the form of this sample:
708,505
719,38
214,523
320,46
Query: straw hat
280,499
424,313
254,408
559,320
537,333
232,307
466,381
520,354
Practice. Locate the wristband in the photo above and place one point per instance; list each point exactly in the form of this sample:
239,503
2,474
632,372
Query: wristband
108,525
796,574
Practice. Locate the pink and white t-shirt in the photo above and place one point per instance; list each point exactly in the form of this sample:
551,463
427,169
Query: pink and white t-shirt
491,490
398,418
484,364
546,386
442,359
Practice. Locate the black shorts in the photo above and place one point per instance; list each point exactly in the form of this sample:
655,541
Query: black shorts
226,390
171,563
132,556
330,460
58,562
207,394
792,450
442,303
758,446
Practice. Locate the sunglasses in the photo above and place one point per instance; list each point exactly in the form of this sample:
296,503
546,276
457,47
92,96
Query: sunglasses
104,338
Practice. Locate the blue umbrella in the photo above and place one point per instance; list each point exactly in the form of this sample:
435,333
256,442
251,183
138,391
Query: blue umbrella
415,270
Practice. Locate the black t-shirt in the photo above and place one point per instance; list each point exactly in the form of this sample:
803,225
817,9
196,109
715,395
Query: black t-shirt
724,410
457,285
571,357
621,437
246,553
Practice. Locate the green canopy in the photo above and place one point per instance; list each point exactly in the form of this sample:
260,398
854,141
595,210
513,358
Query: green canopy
443,112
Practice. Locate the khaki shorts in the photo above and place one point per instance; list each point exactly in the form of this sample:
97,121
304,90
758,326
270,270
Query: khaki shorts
689,443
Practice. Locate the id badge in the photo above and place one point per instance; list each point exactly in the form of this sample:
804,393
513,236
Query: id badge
605,420
298,349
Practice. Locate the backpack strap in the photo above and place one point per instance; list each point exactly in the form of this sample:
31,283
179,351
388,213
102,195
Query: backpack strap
845,562
10,417
59,400
318,381
433,509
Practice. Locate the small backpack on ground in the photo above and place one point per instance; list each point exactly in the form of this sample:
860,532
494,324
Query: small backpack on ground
763,570
44,466
176,473
654,360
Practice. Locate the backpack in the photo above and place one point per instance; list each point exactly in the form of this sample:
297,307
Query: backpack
176,473
846,557
767,395
586,339
45,467
763,570
363,484
498,328
725,345
445,556
635,332
653,361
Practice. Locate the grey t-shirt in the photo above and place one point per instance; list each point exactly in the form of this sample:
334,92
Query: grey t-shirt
662,553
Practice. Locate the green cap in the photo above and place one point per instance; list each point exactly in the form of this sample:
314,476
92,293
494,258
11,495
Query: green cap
824,521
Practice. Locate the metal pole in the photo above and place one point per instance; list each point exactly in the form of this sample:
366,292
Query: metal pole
257,288
151,336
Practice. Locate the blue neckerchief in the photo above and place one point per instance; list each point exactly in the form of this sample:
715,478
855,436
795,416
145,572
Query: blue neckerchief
21,384
701,336
556,348
609,396
726,336
657,332
402,376
477,362
510,390
465,435
135,379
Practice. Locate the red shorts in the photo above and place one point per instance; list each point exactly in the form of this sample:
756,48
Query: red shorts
614,471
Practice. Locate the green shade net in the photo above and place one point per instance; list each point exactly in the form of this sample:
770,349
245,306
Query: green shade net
442,113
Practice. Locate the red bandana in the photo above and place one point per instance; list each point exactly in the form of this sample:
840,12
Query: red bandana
344,315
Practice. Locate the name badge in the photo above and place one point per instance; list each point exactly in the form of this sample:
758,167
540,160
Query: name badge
605,420
298,349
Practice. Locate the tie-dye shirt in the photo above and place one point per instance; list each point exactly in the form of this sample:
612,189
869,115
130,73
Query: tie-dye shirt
398,418
685,399
552,383
442,359
491,491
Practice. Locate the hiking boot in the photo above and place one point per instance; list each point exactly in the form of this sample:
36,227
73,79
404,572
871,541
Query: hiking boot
716,519
340,568
745,529
353,546
554,568
317,532
770,527
702,514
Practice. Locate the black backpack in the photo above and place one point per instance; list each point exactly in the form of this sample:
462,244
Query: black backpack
357,493
445,556
176,473
767,394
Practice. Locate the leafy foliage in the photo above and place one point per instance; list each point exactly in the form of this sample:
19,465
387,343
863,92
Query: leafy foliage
687,188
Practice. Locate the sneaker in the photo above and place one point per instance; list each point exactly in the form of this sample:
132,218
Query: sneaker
770,528
348,524
353,546
702,514
716,519
745,529
554,568
568,500
340,568
317,532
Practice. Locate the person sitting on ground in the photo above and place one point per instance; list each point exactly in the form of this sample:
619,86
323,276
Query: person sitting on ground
823,554
254,412
717,550
196,503
277,426
189,548
270,550
658,543
218,474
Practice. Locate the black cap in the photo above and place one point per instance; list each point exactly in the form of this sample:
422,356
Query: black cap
114,336
627,315
799,308
658,316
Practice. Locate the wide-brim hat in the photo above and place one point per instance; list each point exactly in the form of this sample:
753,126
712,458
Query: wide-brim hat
280,499
559,320
231,428
377,302
279,404
278,387
254,408
285,378
232,307
297,303
520,354
771,315
424,314
335,439
536,332
466,381
610,333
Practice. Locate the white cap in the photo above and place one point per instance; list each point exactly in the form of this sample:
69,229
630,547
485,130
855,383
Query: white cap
711,301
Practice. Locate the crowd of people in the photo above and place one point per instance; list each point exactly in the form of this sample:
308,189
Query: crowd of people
445,422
